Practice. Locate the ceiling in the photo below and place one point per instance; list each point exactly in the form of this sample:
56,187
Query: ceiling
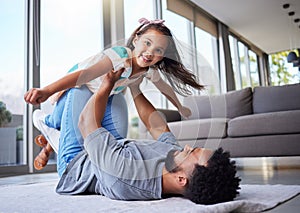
263,22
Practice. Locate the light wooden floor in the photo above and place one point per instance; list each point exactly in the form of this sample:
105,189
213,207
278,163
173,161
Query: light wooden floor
283,170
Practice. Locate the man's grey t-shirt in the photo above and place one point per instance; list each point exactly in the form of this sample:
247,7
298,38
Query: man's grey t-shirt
118,169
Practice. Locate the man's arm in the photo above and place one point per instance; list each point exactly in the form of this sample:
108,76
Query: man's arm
93,112
152,119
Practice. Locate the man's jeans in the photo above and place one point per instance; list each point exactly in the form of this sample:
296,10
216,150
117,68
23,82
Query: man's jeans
65,118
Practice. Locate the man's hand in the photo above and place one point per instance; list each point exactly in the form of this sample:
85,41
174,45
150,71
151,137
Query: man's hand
92,114
111,77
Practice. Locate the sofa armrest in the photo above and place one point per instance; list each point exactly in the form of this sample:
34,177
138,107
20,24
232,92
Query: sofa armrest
170,115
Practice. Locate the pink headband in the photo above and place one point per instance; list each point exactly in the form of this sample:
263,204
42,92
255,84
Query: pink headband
145,21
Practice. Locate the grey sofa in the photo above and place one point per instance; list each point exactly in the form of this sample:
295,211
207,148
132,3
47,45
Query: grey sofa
264,121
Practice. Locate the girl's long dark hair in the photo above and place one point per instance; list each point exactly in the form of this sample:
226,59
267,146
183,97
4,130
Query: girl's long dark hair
171,65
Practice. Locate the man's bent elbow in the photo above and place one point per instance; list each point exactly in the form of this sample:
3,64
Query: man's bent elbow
81,125
87,125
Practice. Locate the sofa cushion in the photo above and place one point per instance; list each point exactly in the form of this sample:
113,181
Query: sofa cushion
276,98
201,128
229,105
273,123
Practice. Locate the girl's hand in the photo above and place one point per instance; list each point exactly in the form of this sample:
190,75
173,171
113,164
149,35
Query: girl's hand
36,96
136,83
185,112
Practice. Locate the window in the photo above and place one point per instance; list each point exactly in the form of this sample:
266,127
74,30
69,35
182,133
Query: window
68,35
198,31
254,76
71,31
207,61
133,11
173,21
142,9
12,24
182,35
235,62
183,39
245,64
282,72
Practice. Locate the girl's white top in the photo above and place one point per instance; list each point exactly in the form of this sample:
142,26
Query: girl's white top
121,57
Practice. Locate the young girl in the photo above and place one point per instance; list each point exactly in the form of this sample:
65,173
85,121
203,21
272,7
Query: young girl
150,49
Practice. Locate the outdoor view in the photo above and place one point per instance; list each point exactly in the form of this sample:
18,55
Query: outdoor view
281,71
12,75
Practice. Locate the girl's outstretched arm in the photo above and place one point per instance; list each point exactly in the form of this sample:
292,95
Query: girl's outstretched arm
38,95
152,119
168,91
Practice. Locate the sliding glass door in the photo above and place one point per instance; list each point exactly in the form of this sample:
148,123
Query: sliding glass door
71,31
12,60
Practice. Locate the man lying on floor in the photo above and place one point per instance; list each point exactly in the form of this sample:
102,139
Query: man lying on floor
125,169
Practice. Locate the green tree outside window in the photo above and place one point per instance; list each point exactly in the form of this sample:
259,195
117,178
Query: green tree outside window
5,115
280,74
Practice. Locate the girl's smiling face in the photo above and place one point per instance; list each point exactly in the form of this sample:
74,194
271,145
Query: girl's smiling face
150,48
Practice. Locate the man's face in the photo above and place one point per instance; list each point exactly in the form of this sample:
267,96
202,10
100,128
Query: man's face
187,159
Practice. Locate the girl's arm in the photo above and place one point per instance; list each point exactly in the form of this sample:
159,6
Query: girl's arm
39,95
152,119
168,91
